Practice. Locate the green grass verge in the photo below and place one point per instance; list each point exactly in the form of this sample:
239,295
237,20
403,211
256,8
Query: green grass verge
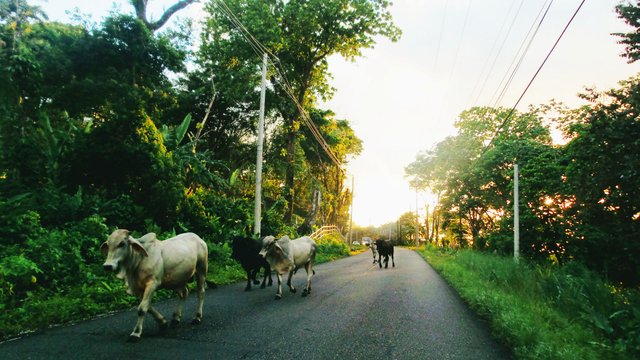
544,312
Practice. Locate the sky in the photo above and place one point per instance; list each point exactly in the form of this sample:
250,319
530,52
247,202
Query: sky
403,98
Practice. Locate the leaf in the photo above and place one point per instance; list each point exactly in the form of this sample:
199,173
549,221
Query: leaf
181,130
234,177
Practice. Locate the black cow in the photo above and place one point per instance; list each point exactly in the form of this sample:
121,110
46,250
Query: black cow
246,252
385,248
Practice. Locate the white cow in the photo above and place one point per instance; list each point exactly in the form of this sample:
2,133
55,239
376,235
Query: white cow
147,264
289,255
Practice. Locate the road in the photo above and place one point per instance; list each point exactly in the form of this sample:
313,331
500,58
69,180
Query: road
355,311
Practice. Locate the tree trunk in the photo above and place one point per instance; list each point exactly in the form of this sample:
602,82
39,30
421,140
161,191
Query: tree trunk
289,176
141,12
426,225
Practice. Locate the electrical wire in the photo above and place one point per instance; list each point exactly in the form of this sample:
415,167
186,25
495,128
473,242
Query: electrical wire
504,122
260,49
520,56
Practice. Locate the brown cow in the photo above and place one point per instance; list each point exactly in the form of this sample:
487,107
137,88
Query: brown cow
147,264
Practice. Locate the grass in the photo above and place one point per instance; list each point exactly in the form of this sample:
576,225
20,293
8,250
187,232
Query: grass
544,312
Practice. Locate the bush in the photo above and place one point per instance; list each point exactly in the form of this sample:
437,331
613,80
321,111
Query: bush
331,247
552,312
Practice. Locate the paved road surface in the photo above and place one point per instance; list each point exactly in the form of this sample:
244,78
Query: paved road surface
356,311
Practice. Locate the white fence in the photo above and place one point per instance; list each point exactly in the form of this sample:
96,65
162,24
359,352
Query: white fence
326,230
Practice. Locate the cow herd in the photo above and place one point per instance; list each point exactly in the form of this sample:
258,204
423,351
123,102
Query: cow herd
147,264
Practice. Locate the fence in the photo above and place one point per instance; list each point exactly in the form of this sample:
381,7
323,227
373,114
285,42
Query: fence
326,230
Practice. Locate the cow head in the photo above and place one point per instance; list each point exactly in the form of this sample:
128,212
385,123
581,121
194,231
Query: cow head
118,249
269,245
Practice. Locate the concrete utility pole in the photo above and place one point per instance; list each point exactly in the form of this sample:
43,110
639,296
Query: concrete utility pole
417,222
516,215
258,202
351,214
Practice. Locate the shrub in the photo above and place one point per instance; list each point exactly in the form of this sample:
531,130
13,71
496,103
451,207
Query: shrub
331,247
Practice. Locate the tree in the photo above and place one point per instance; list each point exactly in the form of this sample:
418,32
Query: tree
141,12
631,15
602,172
301,36
472,178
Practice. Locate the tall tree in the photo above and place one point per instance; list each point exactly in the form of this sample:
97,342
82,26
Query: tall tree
603,174
141,12
630,13
301,35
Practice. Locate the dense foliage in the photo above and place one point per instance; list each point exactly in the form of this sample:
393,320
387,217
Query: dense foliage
122,124
579,199
544,311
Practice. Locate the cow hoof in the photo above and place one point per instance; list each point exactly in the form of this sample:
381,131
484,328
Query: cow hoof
175,322
278,297
263,286
293,290
133,338
196,321
164,325
304,293
256,282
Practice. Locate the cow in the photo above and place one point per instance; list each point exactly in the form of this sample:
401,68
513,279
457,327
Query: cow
147,264
385,248
289,255
372,245
247,252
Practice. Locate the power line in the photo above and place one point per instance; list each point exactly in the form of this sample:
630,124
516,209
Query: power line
522,55
504,122
493,64
260,49
495,42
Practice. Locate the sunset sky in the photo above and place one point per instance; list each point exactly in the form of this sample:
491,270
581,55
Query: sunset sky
402,98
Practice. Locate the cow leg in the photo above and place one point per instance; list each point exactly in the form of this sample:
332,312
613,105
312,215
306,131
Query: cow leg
202,283
264,278
162,322
268,272
279,291
393,261
291,287
248,287
255,275
307,288
386,261
380,260
177,315
142,310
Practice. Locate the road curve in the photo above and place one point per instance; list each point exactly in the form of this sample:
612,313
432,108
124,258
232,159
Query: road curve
355,311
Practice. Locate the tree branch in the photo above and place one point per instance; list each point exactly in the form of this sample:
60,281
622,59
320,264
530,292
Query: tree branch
141,12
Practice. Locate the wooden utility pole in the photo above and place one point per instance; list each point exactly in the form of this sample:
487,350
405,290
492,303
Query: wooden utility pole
258,202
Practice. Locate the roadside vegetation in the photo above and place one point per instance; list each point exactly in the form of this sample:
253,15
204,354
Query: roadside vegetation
88,290
544,311
122,123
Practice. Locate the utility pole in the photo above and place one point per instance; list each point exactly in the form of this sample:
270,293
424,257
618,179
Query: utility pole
417,222
516,215
258,202
351,214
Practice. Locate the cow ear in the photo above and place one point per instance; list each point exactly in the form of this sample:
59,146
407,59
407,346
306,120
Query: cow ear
135,244
104,248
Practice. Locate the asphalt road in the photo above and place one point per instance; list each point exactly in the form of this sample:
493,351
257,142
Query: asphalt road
355,311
